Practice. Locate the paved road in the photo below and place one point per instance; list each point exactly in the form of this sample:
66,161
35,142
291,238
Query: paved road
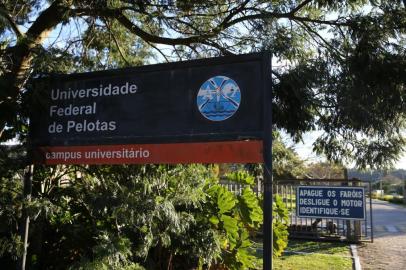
389,219
389,248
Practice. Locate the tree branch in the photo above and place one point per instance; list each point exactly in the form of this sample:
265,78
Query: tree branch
326,43
133,28
9,19
200,38
159,51
223,50
289,16
45,22
117,43
21,53
157,39
300,6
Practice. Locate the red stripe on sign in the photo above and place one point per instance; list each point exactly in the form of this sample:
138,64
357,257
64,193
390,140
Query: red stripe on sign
209,152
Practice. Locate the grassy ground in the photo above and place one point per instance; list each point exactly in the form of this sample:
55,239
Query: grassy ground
308,255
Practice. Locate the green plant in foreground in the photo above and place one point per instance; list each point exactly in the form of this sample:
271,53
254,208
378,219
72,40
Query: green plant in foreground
280,232
235,217
151,217
181,217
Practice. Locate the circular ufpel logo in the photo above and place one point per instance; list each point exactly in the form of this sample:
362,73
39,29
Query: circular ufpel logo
219,98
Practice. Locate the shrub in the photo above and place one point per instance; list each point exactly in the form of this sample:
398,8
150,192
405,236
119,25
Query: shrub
280,229
391,199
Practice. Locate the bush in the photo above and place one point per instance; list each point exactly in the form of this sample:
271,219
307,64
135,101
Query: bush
390,198
397,200
234,217
135,217
280,229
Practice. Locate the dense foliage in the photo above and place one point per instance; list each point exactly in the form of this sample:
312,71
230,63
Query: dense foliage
286,164
135,217
339,65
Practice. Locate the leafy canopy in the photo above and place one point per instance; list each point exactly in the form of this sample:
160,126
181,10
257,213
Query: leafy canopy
339,65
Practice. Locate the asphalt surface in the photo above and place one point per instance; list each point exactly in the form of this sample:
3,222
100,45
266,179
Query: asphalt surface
388,251
388,219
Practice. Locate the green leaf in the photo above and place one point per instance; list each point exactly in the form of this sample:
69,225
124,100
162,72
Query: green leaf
280,232
214,220
230,225
244,239
241,177
251,211
225,200
247,260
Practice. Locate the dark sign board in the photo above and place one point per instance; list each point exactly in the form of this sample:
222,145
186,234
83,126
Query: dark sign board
172,105
330,202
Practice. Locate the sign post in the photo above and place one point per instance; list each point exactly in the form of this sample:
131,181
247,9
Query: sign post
267,174
214,110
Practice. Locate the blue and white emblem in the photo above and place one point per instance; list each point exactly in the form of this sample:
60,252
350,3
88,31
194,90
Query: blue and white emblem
219,98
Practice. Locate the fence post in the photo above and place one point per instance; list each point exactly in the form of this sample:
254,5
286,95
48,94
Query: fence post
404,191
348,222
357,223
370,212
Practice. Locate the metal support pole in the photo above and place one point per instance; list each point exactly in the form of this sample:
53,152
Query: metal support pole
357,223
404,191
349,235
267,152
24,230
268,232
370,212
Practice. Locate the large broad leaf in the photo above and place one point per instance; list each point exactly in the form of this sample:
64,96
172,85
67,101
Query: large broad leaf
280,232
251,211
247,260
225,200
241,177
214,220
230,225
245,241
280,212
